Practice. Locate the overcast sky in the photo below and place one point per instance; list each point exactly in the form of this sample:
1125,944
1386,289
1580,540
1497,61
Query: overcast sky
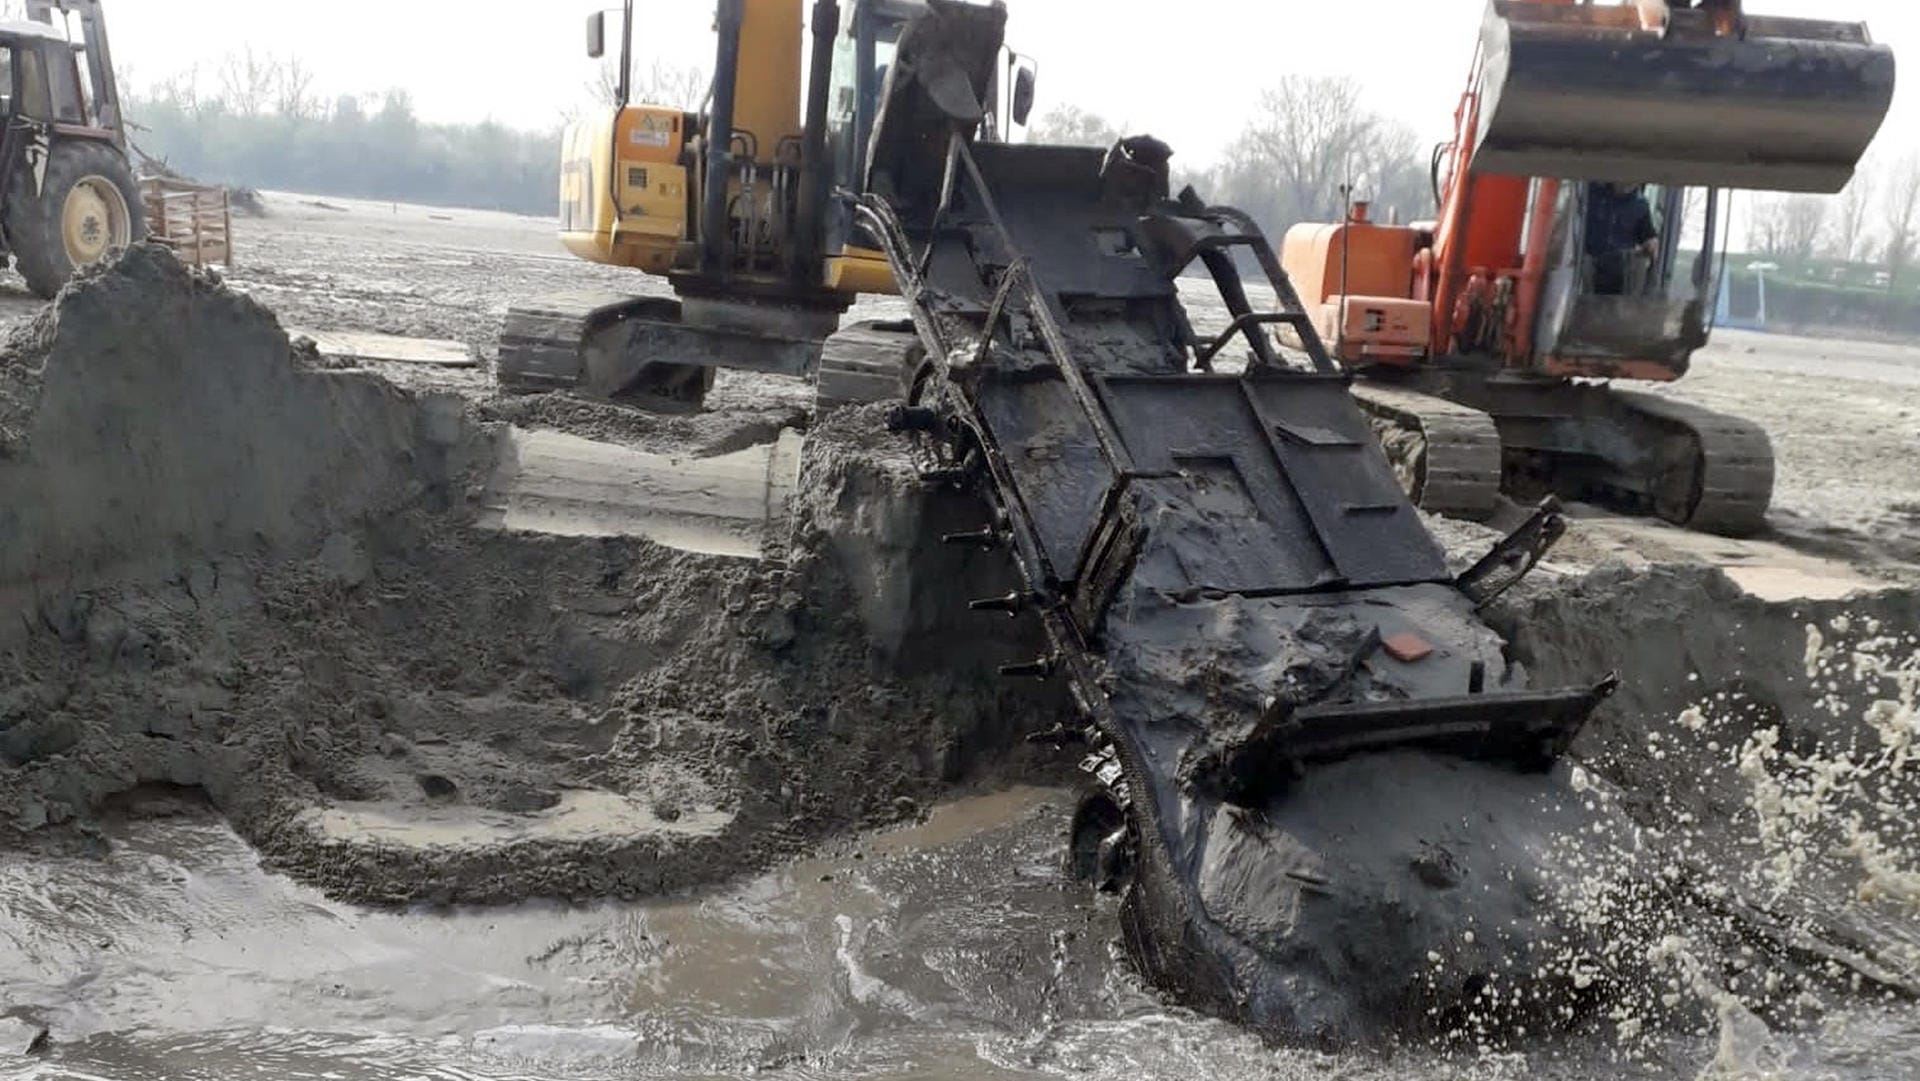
1181,69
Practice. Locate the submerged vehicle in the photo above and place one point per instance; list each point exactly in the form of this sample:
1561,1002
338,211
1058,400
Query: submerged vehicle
1235,589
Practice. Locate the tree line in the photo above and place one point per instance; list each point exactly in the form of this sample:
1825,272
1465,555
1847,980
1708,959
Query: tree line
256,121
1309,146
1875,221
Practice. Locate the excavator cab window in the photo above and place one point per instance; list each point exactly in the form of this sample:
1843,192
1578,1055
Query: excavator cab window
1636,238
1642,291
862,55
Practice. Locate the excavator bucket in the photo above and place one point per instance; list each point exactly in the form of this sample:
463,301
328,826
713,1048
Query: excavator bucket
1583,92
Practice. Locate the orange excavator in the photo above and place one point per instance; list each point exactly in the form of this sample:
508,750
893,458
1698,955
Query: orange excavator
1582,211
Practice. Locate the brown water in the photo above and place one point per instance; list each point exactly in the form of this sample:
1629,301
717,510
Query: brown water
949,950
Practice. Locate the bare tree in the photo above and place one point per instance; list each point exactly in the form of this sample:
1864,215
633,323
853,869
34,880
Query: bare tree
247,81
1851,212
293,90
677,86
1310,137
1070,125
1788,226
1804,218
1900,209
182,91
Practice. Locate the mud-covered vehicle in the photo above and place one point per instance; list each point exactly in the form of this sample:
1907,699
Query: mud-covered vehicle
69,196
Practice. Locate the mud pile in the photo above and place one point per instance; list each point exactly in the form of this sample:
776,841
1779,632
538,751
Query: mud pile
229,570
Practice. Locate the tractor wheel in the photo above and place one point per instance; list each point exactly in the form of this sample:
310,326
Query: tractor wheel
89,206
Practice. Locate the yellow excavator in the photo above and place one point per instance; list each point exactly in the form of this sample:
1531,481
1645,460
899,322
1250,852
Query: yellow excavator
735,207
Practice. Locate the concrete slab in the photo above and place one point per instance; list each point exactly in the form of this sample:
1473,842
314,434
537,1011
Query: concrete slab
550,482
390,348
581,816
1767,569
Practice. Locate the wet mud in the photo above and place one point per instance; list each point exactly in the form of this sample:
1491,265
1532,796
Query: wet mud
261,671
397,706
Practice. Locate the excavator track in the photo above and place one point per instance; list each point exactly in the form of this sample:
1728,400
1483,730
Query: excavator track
1447,455
866,362
1713,472
578,341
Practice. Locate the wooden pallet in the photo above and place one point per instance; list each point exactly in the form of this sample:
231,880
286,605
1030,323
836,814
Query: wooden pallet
192,219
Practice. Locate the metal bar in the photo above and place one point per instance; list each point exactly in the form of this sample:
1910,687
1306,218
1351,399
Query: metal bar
726,70
816,163
1263,254
1041,310
947,177
1240,324
997,310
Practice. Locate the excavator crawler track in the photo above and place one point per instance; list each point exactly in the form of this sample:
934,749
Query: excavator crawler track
1714,472
540,342
866,362
586,341
1447,455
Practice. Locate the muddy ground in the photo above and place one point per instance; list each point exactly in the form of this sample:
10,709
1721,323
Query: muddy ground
290,619
1845,415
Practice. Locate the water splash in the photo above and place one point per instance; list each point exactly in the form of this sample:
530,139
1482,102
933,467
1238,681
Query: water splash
1755,872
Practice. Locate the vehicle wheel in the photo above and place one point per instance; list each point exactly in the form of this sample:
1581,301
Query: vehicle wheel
89,207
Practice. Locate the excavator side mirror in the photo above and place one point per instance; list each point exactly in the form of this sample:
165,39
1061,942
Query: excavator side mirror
1023,81
597,35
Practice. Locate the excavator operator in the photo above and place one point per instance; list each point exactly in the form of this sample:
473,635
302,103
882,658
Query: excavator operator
1621,239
